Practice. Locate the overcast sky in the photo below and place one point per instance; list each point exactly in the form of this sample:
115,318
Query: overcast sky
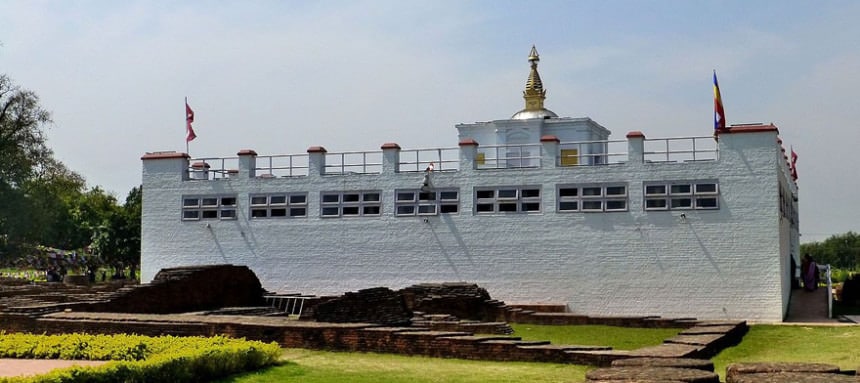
280,76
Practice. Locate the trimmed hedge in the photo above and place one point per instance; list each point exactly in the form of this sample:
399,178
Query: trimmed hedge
139,358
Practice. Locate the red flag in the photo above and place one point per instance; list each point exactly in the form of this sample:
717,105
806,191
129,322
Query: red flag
793,165
189,118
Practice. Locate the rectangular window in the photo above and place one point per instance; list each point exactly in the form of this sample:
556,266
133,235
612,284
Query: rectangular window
279,205
682,195
507,194
680,189
278,199
279,212
592,191
655,190
485,194
591,198
208,207
522,199
409,202
592,205
351,204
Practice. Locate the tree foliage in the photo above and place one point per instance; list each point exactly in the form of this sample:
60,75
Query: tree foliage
22,136
117,239
23,153
841,250
44,203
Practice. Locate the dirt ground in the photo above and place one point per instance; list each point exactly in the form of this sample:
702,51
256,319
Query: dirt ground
19,367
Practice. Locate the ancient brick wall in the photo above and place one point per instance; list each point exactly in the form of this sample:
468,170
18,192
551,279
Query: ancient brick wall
184,289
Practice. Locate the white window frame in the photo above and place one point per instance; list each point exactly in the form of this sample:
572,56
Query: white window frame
217,207
500,204
412,203
272,202
585,203
351,203
689,199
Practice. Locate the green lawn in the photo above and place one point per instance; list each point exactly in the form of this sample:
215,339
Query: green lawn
620,338
321,366
835,345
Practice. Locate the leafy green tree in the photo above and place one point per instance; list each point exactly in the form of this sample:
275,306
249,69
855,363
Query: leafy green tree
22,135
841,250
117,240
53,194
23,153
42,202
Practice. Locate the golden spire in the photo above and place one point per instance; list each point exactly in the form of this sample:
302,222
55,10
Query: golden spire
534,93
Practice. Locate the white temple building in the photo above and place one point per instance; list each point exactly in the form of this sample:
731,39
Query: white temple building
535,208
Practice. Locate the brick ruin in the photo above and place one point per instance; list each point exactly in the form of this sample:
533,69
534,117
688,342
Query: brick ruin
428,319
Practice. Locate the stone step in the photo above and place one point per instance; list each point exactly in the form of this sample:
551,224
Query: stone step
653,374
701,364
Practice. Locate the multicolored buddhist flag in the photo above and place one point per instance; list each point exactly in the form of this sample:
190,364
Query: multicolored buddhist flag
719,113
189,118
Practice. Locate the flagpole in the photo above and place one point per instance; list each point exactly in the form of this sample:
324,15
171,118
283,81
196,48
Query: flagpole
188,152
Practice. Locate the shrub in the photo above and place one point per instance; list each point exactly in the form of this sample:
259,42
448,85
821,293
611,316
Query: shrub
139,358
851,290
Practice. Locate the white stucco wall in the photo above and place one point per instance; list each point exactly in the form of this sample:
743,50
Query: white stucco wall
715,264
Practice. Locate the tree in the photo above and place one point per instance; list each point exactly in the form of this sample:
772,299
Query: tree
22,153
53,195
117,240
841,250
43,203
22,136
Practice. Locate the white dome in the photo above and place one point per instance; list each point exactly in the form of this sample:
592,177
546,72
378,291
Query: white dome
526,114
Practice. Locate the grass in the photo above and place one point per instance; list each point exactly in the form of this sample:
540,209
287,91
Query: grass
780,343
834,345
620,338
322,366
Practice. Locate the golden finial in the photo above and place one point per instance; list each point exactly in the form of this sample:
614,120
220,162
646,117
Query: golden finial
534,93
533,55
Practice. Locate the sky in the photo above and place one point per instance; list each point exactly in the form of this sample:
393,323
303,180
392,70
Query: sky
281,76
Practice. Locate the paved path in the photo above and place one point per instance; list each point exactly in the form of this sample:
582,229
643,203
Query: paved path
809,307
29,367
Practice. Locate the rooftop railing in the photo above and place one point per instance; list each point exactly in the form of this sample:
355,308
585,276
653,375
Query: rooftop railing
417,160
681,149
509,156
287,165
589,153
214,168
353,163
579,153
